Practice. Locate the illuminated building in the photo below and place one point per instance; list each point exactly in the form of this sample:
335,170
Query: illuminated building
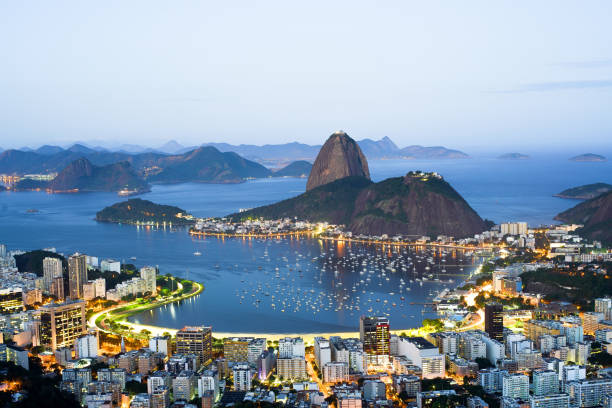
375,336
62,323
77,275
494,321
195,340
11,300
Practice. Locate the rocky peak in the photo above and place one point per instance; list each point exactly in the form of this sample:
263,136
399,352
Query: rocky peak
339,157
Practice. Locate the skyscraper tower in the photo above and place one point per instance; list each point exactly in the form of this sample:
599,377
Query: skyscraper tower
52,268
374,334
494,321
77,275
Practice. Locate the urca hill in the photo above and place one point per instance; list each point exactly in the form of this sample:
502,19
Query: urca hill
340,192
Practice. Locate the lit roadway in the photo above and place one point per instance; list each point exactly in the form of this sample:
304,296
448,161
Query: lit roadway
470,300
160,301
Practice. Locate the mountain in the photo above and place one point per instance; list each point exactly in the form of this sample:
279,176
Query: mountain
379,149
585,192
300,168
339,157
588,157
432,152
595,215
137,210
171,147
207,165
513,156
270,153
48,150
417,204
81,175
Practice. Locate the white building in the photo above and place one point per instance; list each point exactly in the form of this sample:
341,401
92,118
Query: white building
322,351
549,401
291,347
242,377
335,372
149,275
52,268
86,346
208,381
516,386
545,382
514,228
160,344
424,355
110,265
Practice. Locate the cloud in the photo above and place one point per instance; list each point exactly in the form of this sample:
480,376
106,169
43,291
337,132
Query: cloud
562,86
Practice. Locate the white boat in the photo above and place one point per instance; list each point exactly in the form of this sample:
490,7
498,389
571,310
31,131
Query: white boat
197,253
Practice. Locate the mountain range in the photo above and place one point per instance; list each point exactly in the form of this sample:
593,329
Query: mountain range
269,154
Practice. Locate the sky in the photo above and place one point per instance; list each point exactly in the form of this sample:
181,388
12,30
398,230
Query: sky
473,75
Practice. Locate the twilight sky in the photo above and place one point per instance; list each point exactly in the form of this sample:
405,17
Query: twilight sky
474,75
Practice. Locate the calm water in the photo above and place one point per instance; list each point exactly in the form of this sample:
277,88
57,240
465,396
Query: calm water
238,273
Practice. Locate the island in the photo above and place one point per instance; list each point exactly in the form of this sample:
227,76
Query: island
300,168
514,156
585,192
143,212
589,157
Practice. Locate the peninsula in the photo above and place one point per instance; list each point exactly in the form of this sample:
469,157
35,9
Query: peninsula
585,192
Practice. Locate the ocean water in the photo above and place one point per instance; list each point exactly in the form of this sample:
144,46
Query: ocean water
237,273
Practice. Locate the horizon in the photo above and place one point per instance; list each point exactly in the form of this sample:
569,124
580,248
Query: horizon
470,77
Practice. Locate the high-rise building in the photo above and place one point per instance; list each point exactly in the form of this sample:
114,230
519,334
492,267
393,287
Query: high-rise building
57,288
424,355
236,349
516,386
291,368
589,393
86,346
549,401
11,300
322,351
160,344
62,323
149,274
52,268
545,382
77,275
494,321
374,390
242,377
291,347
375,336
195,340
335,372
604,305
185,385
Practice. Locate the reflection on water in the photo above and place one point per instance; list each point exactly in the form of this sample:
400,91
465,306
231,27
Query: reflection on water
302,285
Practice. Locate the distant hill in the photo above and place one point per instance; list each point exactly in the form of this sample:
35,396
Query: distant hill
585,192
137,210
379,149
300,168
207,165
596,216
411,205
81,175
513,156
588,157
432,152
